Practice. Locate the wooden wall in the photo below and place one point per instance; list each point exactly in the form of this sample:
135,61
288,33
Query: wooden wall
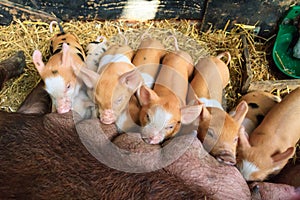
211,13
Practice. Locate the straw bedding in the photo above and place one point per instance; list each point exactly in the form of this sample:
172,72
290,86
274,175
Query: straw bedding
29,35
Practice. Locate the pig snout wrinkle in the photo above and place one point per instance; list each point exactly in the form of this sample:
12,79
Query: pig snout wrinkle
107,117
226,158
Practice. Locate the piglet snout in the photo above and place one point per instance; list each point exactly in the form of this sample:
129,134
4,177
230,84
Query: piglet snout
63,105
226,157
62,110
156,139
107,116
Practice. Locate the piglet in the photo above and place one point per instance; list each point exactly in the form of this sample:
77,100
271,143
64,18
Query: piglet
164,108
57,74
217,129
147,60
272,143
114,83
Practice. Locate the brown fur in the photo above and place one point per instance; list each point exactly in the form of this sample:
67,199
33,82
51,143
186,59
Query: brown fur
39,162
267,191
37,101
218,181
195,166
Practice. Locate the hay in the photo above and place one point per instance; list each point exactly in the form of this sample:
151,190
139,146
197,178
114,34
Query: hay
28,36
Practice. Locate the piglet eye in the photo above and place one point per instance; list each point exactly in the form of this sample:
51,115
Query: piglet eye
119,100
170,127
148,117
235,140
68,86
210,133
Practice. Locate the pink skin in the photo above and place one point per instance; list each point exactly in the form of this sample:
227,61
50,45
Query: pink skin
64,105
107,116
154,139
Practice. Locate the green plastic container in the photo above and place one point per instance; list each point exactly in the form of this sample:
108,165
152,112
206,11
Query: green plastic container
282,54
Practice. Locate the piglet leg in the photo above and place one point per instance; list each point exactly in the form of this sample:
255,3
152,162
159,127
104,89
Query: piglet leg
11,67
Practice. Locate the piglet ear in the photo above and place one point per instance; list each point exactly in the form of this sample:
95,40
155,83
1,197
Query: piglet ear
240,112
145,95
131,79
205,114
190,113
278,157
38,62
89,77
243,143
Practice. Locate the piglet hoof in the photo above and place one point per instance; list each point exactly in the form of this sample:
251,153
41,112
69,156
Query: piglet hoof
107,117
226,158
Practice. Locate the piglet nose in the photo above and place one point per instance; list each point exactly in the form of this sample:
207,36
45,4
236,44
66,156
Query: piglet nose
107,116
226,158
63,110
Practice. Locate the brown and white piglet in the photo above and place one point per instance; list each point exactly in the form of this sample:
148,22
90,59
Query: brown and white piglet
117,79
164,108
217,129
272,143
60,81
147,60
259,104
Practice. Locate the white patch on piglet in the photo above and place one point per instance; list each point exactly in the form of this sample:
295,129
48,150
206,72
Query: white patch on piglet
61,93
148,79
154,132
211,103
247,168
55,86
112,59
83,105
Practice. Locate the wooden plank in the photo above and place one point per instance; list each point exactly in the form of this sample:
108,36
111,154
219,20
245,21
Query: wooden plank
100,9
266,14
269,85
